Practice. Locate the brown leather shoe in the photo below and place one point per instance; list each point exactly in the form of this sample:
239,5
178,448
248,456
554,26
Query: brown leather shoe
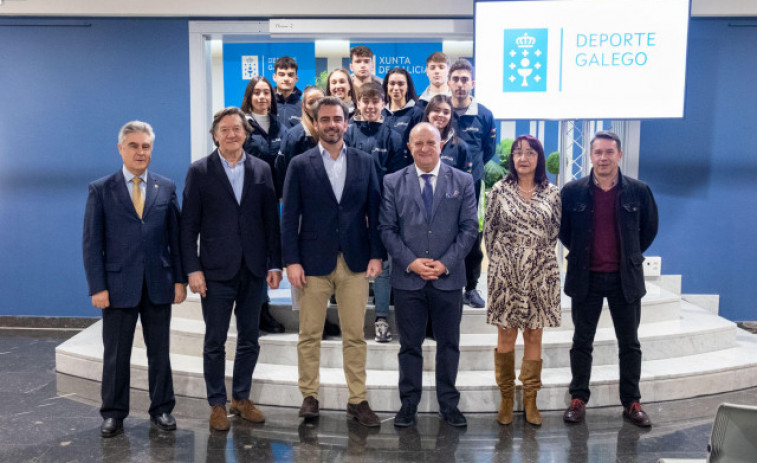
218,419
363,414
575,413
247,410
636,415
309,408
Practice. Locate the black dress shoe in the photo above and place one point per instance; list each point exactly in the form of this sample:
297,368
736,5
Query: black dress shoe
112,427
454,417
164,421
267,322
406,416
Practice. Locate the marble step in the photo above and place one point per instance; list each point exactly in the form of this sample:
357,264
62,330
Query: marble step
663,379
658,305
697,331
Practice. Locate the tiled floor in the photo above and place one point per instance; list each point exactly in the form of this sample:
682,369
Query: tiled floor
39,425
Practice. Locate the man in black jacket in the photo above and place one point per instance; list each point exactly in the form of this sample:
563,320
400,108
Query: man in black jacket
608,221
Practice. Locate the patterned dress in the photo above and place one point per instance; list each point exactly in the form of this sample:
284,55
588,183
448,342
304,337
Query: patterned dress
523,277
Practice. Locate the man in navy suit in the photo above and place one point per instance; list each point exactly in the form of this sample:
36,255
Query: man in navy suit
330,243
133,267
428,224
230,202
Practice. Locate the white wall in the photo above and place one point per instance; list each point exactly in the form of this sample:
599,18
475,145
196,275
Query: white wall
238,9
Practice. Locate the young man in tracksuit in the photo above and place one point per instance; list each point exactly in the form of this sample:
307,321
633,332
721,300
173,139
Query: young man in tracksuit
370,134
362,65
288,96
475,125
437,70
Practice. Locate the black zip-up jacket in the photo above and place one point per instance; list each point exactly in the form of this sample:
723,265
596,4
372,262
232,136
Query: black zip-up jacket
289,108
296,141
402,121
456,154
266,146
477,128
380,141
637,228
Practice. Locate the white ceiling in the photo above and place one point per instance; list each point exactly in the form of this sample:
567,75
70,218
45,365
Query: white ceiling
239,9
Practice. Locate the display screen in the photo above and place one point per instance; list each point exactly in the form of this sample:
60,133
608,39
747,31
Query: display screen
581,59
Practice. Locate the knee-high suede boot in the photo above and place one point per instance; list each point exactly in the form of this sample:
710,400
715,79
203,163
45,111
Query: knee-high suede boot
504,372
530,376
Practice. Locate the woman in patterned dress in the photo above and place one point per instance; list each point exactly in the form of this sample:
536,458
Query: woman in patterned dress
521,227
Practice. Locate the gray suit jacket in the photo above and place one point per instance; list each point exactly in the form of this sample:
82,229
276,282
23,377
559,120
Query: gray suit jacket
447,237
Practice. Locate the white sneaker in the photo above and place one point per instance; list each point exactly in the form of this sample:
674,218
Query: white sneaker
382,331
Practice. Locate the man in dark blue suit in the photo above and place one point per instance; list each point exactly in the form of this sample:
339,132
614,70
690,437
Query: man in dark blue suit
330,243
133,267
428,224
230,202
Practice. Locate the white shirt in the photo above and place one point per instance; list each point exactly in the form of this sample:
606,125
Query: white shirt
336,169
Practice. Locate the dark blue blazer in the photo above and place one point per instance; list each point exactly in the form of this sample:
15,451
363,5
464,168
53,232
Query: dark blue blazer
315,228
122,251
229,231
447,237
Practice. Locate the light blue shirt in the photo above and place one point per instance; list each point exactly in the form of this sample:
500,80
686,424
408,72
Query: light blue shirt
235,175
336,169
130,186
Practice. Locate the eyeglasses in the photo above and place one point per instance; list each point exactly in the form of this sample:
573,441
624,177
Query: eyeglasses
527,153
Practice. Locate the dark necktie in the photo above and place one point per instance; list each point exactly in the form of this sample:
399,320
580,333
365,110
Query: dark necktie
427,194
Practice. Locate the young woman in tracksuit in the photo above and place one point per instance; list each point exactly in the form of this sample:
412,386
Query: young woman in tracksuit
339,84
261,108
401,112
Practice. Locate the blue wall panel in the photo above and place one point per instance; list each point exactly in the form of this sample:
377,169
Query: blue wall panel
703,171
66,88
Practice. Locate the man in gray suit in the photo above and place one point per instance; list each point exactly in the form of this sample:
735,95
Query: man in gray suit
428,224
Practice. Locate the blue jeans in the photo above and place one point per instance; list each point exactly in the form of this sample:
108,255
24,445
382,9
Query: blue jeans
382,289
625,318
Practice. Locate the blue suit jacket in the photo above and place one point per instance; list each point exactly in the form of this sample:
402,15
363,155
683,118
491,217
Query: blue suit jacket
315,228
447,237
121,251
228,230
